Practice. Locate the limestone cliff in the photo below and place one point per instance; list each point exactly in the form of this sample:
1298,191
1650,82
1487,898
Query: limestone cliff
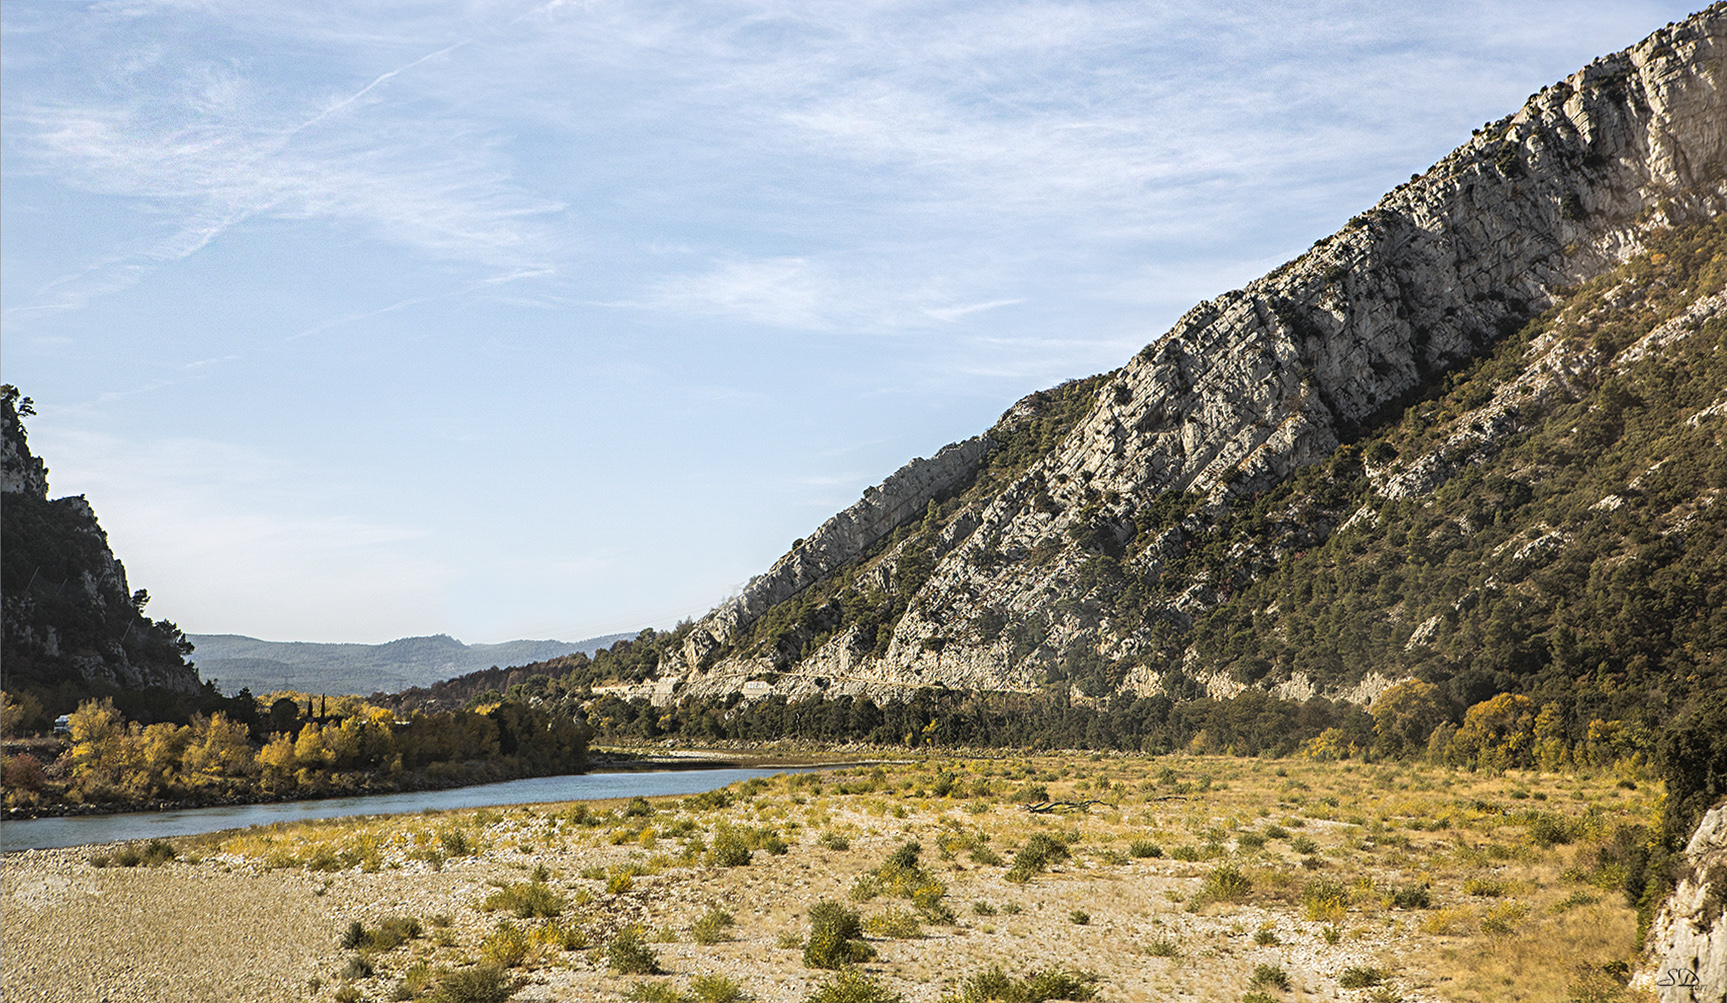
1687,943
71,623
1003,586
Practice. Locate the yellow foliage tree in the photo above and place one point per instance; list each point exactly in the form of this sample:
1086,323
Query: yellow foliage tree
1497,734
1406,714
220,748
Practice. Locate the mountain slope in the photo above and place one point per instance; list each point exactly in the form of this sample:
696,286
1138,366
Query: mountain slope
1000,585
239,661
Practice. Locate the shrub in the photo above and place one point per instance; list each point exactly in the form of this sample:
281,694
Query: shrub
568,936
1304,845
653,992
1547,830
527,900
1250,841
1257,996
1276,832
712,927
1079,917
1144,848
834,841
730,849
716,989
507,946
1265,936
627,955
1227,883
1049,984
1040,851
392,932
1325,901
1484,888
1503,918
836,937
1410,897
982,908
1163,947
479,984
1267,976
357,968
897,923
1360,977
852,986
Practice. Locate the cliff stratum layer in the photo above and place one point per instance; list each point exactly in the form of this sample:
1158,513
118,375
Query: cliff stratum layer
1130,532
71,626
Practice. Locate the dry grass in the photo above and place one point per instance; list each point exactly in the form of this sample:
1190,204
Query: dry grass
1311,869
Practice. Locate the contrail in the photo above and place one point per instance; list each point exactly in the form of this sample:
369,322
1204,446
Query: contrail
357,95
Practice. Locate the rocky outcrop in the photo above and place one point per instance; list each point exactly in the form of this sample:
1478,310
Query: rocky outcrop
69,615
1687,943
1260,382
842,540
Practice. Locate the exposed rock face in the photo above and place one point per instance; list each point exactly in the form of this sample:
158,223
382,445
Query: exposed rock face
842,540
1687,943
1259,382
69,616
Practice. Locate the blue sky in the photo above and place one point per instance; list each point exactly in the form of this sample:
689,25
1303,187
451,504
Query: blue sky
357,320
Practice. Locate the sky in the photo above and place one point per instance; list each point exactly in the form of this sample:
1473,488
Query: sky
358,320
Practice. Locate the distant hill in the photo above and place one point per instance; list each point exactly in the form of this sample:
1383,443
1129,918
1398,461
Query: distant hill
236,661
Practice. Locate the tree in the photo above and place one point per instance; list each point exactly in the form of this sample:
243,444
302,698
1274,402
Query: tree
1406,714
1497,734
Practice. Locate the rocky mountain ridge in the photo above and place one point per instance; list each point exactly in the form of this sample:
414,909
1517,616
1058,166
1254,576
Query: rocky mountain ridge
997,588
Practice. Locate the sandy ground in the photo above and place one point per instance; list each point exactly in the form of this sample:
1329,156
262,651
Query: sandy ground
223,924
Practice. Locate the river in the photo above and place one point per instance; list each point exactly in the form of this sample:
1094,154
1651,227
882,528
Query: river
44,833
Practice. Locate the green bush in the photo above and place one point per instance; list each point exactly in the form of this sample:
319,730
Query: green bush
1144,848
479,984
716,989
731,848
527,900
1267,976
507,946
654,992
853,986
357,968
1038,853
1163,947
1548,830
995,986
1226,883
392,932
627,955
1359,977
836,937
712,927
1410,897
897,923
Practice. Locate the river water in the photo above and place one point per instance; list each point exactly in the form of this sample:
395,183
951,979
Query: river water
43,833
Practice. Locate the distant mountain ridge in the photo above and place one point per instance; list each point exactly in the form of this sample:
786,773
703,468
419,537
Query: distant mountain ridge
236,661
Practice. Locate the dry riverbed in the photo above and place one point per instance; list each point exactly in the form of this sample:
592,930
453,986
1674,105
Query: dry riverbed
1185,878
